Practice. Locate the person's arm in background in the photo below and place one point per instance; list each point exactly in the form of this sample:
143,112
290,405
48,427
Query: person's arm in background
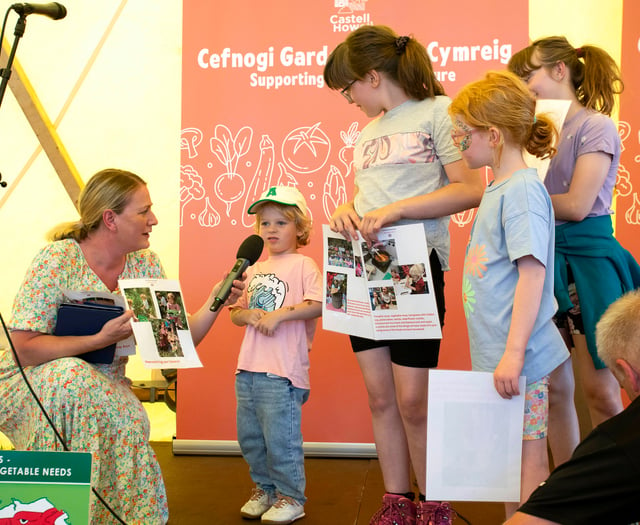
588,178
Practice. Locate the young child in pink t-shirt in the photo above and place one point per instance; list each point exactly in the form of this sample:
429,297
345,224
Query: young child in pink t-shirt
279,308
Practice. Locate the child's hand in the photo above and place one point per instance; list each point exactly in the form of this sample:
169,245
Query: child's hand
507,373
269,323
252,317
376,219
345,221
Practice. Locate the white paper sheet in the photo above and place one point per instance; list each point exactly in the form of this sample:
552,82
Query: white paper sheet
474,438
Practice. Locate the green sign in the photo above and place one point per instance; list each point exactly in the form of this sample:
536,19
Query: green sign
48,486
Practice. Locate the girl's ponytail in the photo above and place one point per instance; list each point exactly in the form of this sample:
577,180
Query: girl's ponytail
542,138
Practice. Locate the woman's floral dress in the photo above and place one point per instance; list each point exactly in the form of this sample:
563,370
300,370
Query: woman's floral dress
92,406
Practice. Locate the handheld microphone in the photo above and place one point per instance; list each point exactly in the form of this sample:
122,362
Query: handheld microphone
53,10
248,253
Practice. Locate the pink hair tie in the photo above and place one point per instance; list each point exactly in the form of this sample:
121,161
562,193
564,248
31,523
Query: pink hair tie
579,52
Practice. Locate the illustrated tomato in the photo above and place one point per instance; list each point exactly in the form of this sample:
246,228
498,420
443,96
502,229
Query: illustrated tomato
306,149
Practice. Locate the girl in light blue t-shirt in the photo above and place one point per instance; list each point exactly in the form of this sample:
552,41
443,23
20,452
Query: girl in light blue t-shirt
508,271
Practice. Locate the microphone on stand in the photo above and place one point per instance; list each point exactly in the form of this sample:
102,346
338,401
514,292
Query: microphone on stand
248,253
53,10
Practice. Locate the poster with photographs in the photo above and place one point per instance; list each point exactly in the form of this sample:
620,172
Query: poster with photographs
160,323
380,290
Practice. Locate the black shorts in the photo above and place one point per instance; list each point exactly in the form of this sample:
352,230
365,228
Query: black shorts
416,353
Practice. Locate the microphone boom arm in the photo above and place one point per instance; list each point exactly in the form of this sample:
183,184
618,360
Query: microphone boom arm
5,73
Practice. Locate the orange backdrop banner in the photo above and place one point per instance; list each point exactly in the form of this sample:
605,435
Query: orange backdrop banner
256,113
628,198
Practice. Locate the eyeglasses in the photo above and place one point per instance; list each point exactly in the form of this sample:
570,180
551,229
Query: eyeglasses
346,91
462,137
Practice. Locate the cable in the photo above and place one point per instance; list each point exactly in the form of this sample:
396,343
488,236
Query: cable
462,518
51,424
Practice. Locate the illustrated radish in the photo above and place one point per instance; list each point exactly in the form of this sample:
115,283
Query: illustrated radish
229,186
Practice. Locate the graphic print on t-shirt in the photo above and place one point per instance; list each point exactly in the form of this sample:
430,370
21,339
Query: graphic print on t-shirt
474,264
266,292
399,148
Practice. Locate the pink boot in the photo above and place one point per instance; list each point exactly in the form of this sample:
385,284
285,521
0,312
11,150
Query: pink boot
434,513
395,510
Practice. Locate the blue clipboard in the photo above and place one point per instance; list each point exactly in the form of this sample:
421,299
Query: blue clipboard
87,319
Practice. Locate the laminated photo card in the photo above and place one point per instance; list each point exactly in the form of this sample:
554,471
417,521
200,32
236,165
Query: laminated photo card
160,323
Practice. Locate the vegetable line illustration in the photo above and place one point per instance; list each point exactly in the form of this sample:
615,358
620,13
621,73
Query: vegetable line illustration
209,217
229,186
191,188
261,180
190,139
335,192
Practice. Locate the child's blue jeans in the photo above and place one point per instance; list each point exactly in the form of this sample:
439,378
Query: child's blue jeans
268,418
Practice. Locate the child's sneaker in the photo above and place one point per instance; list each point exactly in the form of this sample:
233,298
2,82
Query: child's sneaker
395,510
434,513
259,503
285,510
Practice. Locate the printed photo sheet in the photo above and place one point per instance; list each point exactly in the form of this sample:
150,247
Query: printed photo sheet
160,323
380,290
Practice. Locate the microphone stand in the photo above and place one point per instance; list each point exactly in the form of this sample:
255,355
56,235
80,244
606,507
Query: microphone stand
6,72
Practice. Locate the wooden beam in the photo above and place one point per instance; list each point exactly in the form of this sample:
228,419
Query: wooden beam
43,128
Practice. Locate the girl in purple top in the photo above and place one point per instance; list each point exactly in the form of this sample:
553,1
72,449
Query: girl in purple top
580,180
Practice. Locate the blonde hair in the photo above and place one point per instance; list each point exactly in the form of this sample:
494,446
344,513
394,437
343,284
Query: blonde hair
618,331
417,271
502,100
292,213
595,76
109,189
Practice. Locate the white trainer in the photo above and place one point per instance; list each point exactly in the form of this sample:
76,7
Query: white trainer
259,503
285,510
